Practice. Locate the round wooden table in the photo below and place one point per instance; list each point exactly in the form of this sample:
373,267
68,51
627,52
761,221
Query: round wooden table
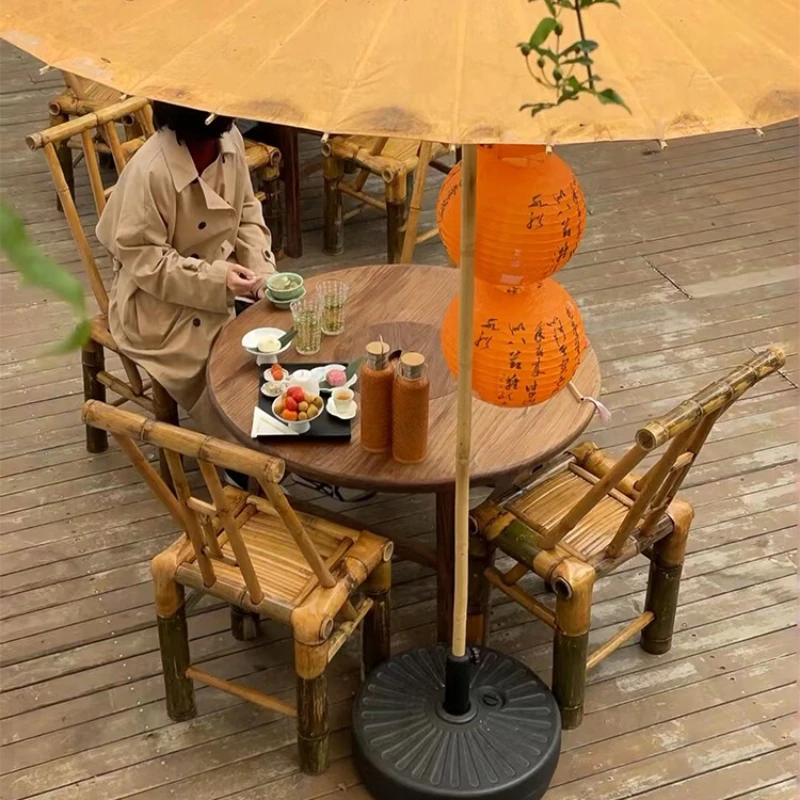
405,305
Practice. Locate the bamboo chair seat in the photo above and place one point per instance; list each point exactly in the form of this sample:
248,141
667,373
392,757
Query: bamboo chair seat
587,513
284,575
545,505
394,161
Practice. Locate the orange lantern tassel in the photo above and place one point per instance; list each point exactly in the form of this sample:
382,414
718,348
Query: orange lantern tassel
530,210
527,342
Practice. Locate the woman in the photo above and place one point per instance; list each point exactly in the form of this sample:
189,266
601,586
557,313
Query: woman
186,235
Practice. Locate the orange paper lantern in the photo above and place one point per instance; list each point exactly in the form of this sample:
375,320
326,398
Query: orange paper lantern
530,216
528,342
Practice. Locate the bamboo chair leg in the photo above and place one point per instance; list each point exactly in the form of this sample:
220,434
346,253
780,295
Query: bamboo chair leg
376,630
93,363
165,409
173,639
333,225
312,724
663,586
245,625
274,212
571,641
64,158
395,216
481,557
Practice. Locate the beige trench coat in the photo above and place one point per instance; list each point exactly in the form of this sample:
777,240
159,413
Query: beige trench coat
172,235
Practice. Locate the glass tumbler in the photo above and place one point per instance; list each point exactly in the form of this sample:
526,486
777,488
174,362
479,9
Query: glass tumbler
307,320
333,295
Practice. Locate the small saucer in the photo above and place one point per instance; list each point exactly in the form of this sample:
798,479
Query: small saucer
330,407
284,303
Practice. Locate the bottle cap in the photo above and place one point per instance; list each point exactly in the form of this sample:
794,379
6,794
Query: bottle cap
377,354
412,365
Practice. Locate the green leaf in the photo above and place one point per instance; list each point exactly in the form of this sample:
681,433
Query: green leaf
586,45
610,97
574,84
36,269
551,6
33,266
583,60
543,30
587,3
536,108
76,340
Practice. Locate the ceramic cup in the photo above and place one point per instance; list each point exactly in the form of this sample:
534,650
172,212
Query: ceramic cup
342,399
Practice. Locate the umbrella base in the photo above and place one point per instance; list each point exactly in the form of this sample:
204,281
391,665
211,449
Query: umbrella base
407,747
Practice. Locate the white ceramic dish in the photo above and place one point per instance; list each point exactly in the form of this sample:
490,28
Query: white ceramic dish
250,343
301,426
281,387
284,303
320,372
330,407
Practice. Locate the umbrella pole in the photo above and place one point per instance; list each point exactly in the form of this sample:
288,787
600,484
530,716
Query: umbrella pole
457,700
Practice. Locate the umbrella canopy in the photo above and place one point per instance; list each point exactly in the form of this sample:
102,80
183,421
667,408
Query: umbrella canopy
439,70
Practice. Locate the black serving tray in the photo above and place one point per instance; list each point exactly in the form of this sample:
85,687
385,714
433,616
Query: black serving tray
324,427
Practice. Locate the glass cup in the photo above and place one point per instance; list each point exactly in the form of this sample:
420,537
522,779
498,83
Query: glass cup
333,295
307,320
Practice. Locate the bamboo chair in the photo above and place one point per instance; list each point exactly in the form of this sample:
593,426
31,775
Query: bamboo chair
148,394
263,558
393,160
83,96
583,516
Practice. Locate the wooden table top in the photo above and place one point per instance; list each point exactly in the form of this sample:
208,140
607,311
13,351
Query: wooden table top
405,305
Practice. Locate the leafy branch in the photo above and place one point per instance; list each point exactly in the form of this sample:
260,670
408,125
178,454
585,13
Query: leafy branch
554,67
37,269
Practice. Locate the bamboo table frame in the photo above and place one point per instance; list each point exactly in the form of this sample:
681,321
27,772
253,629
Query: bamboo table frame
405,304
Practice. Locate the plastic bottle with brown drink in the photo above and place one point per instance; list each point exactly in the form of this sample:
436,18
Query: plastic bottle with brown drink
376,383
411,410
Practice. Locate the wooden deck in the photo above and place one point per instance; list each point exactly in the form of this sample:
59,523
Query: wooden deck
689,264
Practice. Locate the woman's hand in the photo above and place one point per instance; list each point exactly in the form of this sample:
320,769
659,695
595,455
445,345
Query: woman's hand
241,280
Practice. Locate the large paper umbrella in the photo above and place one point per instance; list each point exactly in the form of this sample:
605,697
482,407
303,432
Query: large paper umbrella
439,70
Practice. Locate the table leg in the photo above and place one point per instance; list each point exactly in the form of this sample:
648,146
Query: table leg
445,557
290,173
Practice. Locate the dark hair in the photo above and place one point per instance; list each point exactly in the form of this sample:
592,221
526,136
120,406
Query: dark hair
189,123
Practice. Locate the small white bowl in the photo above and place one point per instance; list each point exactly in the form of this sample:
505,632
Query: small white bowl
301,426
250,343
320,372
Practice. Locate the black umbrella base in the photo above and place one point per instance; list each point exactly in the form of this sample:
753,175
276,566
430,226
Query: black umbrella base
406,747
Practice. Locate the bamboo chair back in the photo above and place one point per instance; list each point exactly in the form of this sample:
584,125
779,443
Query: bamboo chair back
104,120
195,515
684,431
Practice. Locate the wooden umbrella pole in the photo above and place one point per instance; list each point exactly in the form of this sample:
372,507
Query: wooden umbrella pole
464,423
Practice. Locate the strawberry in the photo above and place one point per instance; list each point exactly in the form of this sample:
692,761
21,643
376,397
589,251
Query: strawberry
296,393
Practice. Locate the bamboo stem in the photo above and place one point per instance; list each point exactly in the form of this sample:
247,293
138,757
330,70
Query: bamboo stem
124,391
243,692
530,604
75,227
464,423
619,639
416,203
93,168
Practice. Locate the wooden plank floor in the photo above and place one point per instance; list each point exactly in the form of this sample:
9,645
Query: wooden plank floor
689,264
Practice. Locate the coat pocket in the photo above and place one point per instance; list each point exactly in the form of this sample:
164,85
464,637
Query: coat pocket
155,321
